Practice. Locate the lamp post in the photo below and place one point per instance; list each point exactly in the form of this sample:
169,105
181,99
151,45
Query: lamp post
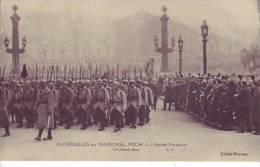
204,34
164,50
180,43
15,50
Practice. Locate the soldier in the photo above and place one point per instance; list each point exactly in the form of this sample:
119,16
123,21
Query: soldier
10,106
18,104
256,107
143,103
4,115
168,96
101,99
45,109
28,104
109,120
118,105
149,101
55,102
83,100
155,89
244,106
133,104
67,103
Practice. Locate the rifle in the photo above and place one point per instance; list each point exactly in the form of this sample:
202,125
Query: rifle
80,71
129,72
29,72
52,67
43,70
36,70
65,71
57,72
135,71
3,75
141,73
100,70
117,68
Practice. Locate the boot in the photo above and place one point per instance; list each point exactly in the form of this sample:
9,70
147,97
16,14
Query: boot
7,132
49,136
38,138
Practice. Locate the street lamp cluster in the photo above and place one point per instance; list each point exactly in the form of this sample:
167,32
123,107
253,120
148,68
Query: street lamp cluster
164,50
15,50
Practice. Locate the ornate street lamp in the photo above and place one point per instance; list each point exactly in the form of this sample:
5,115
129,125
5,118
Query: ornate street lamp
204,34
180,44
163,49
15,50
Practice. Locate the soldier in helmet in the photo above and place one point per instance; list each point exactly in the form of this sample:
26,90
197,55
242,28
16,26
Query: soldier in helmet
45,109
18,105
67,102
118,104
83,100
101,98
149,101
4,115
28,104
133,104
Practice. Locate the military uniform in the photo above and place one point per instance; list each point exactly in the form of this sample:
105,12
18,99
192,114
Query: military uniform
133,105
256,109
45,109
150,102
18,105
28,105
83,100
118,105
143,106
4,115
101,100
67,103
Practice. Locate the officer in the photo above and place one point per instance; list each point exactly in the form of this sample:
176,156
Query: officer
44,107
133,104
101,99
118,104
4,115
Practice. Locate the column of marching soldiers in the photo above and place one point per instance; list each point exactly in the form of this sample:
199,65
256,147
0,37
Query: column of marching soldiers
227,102
222,101
66,103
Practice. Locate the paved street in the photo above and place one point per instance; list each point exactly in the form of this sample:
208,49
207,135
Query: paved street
169,136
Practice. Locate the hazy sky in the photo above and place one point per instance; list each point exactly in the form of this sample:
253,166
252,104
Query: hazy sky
237,17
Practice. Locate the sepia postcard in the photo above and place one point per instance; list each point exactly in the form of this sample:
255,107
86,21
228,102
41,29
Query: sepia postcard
130,80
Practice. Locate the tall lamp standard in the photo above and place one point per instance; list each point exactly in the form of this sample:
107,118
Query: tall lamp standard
15,50
180,43
164,49
204,34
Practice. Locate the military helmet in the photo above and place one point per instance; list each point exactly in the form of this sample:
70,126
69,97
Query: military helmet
99,81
